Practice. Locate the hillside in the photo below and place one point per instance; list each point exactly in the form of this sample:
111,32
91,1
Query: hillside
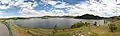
89,16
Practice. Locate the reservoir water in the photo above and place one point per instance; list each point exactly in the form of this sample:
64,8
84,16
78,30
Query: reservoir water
51,22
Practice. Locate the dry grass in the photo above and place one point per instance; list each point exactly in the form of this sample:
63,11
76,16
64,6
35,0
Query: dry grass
94,31
20,31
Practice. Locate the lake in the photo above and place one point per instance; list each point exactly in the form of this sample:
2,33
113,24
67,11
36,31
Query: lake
51,22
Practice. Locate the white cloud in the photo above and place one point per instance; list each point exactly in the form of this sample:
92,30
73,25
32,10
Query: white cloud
4,4
4,7
105,8
62,5
96,8
2,12
27,9
52,2
29,12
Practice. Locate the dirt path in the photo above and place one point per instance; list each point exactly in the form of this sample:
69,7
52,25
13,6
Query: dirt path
3,30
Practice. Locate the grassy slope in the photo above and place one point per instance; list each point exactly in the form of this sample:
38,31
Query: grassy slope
94,31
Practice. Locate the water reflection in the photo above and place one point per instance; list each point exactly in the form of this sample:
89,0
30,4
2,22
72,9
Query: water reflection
51,22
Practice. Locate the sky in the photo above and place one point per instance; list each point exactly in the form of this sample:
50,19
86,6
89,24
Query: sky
37,8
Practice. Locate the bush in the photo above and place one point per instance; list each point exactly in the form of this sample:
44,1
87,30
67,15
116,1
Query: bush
117,18
112,27
79,24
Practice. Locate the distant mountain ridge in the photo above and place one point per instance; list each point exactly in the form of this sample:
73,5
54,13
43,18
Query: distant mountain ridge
89,16
85,16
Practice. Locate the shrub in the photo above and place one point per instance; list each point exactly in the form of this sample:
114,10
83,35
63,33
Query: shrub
54,29
79,24
112,27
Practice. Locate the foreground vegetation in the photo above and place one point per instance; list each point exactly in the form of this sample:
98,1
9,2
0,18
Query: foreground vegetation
86,30
83,30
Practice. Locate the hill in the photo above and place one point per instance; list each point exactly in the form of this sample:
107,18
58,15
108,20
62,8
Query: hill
89,16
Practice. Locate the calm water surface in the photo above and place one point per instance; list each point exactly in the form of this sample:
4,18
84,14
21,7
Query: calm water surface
51,22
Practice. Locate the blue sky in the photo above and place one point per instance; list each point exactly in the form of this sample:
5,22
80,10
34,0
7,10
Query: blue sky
34,8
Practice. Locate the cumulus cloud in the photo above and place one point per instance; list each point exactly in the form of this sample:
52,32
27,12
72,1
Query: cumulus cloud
104,8
53,2
2,12
27,9
4,7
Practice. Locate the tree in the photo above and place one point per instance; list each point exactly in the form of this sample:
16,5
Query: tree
55,29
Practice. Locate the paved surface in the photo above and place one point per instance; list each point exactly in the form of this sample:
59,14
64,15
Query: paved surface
3,30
